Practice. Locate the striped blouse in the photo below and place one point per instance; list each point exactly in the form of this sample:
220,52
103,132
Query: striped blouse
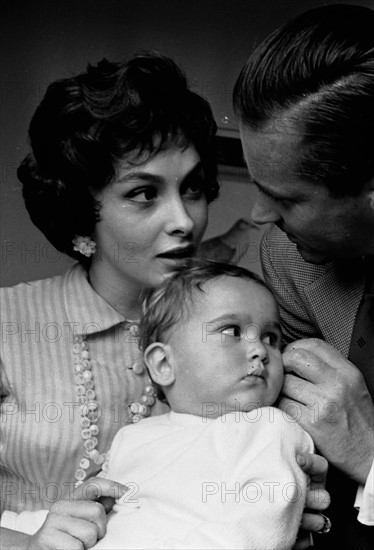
40,426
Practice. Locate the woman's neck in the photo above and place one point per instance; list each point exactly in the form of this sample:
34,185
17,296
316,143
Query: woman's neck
122,295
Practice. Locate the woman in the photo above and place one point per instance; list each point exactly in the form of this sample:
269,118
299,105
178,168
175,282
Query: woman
121,171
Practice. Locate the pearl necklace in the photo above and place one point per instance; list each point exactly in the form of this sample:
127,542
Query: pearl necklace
88,406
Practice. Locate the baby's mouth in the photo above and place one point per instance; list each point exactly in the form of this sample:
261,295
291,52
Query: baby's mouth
256,369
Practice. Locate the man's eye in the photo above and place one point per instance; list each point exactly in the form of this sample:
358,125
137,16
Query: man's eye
231,331
271,197
142,194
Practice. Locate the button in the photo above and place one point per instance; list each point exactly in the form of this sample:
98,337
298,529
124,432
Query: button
99,459
89,444
84,463
86,433
90,394
80,474
85,422
94,429
94,454
134,407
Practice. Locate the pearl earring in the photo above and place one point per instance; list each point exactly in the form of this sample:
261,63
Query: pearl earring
84,245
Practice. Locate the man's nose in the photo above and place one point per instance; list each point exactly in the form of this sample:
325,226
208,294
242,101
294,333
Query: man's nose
264,211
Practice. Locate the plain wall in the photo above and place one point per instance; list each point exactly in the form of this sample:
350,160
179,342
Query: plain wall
45,40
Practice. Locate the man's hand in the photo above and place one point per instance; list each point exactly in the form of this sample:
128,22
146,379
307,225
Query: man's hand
79,522
317,498
328,397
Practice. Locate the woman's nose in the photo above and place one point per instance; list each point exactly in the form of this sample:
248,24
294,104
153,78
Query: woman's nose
264,211
178,219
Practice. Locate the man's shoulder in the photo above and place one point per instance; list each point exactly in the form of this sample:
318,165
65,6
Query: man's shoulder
281,257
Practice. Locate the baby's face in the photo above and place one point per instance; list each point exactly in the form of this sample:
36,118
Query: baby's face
226,354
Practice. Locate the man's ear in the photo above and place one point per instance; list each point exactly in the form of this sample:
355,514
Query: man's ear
156,359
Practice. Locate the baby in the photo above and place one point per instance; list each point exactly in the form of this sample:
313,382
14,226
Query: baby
219,470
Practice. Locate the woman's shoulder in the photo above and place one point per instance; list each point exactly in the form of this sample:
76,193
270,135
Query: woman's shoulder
32,295
33,286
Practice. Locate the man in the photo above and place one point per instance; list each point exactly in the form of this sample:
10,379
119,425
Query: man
305,101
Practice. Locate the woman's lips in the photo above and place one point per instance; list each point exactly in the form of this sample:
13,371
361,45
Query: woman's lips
180,253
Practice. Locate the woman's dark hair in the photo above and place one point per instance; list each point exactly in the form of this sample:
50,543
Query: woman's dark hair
86,124
318,72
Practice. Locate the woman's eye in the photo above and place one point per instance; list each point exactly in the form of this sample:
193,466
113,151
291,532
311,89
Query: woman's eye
231,331
142,194
193,189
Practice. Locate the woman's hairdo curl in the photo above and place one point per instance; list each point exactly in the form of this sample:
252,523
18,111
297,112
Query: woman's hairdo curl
86,124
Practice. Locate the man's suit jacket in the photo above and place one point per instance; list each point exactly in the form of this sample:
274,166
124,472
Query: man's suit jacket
320,302
315,301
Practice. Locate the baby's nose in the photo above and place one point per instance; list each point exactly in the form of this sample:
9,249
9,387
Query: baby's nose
256,366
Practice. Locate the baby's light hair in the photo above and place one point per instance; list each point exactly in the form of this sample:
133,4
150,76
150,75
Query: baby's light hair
166,305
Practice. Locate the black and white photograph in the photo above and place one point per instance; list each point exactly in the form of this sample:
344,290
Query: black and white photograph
187,275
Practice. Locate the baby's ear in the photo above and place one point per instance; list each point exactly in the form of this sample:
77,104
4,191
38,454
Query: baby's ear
156,359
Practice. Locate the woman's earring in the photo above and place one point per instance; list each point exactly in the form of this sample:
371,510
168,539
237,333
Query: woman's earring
84,245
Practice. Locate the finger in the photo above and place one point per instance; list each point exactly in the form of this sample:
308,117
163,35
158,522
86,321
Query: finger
92,512
293,411
107,503
321,349
97,487
312,522
317,499
315,466
55,539
300,390
307,365
303,541
310,344
85,531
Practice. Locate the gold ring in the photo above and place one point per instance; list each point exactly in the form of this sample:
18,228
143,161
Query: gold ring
326,526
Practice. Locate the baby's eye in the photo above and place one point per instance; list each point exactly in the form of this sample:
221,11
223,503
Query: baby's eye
142,194
232,331
272,339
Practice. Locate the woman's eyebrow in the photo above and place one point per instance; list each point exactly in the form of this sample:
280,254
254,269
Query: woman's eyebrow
144,176
156,178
